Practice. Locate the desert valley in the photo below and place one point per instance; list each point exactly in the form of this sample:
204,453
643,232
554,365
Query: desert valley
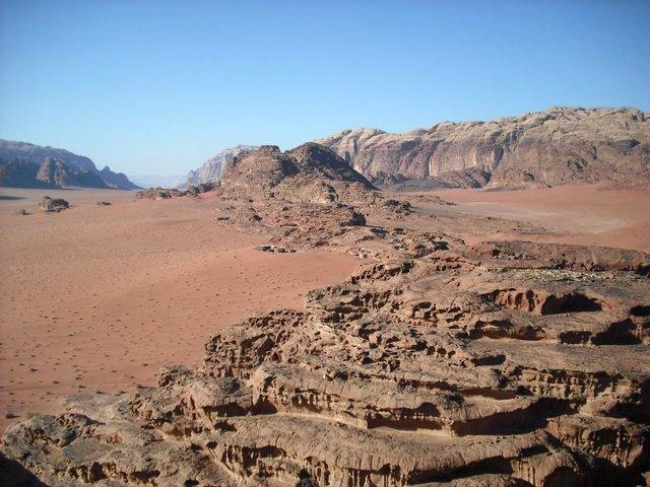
467,305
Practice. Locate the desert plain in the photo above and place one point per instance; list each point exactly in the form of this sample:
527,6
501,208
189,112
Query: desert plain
99,298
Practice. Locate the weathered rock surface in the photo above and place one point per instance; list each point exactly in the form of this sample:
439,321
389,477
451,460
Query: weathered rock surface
434,364
310,173
556,146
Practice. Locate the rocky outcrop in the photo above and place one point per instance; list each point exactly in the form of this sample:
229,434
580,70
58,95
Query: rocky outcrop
556,146
434,364
31,166
53,205
212,169
574,257
310,173
167,193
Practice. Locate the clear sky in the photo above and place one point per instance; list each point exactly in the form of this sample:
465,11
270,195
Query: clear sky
159,86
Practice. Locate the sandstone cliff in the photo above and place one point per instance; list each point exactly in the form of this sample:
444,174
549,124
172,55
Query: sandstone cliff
556,146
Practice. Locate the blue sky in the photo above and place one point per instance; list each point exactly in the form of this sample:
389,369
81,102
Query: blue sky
156,87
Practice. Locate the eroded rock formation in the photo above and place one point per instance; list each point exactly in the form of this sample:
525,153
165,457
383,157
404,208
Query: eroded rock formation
556,146
53,205
166,193
310,173
416,370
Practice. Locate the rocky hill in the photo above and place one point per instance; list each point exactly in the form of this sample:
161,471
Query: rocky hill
309,173
556,146
54,168
212,169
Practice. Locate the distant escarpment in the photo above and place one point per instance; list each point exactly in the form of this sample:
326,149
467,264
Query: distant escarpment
556,146
25,165
212,169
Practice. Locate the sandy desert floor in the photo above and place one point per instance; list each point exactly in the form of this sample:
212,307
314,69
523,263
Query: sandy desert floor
100,297
583,215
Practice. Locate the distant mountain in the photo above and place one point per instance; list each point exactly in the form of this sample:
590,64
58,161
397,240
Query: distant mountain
556,146
212,169
51,173
32,166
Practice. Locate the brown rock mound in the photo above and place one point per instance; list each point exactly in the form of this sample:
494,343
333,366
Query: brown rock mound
310,173
167,193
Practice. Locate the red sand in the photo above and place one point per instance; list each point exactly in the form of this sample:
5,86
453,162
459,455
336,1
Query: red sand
99,298
584,215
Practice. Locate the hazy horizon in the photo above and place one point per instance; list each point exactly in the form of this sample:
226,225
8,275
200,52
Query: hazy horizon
154,89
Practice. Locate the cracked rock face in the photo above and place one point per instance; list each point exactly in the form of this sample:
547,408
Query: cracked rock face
434,364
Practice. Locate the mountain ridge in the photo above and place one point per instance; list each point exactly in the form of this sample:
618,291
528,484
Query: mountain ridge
73,169
555,146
